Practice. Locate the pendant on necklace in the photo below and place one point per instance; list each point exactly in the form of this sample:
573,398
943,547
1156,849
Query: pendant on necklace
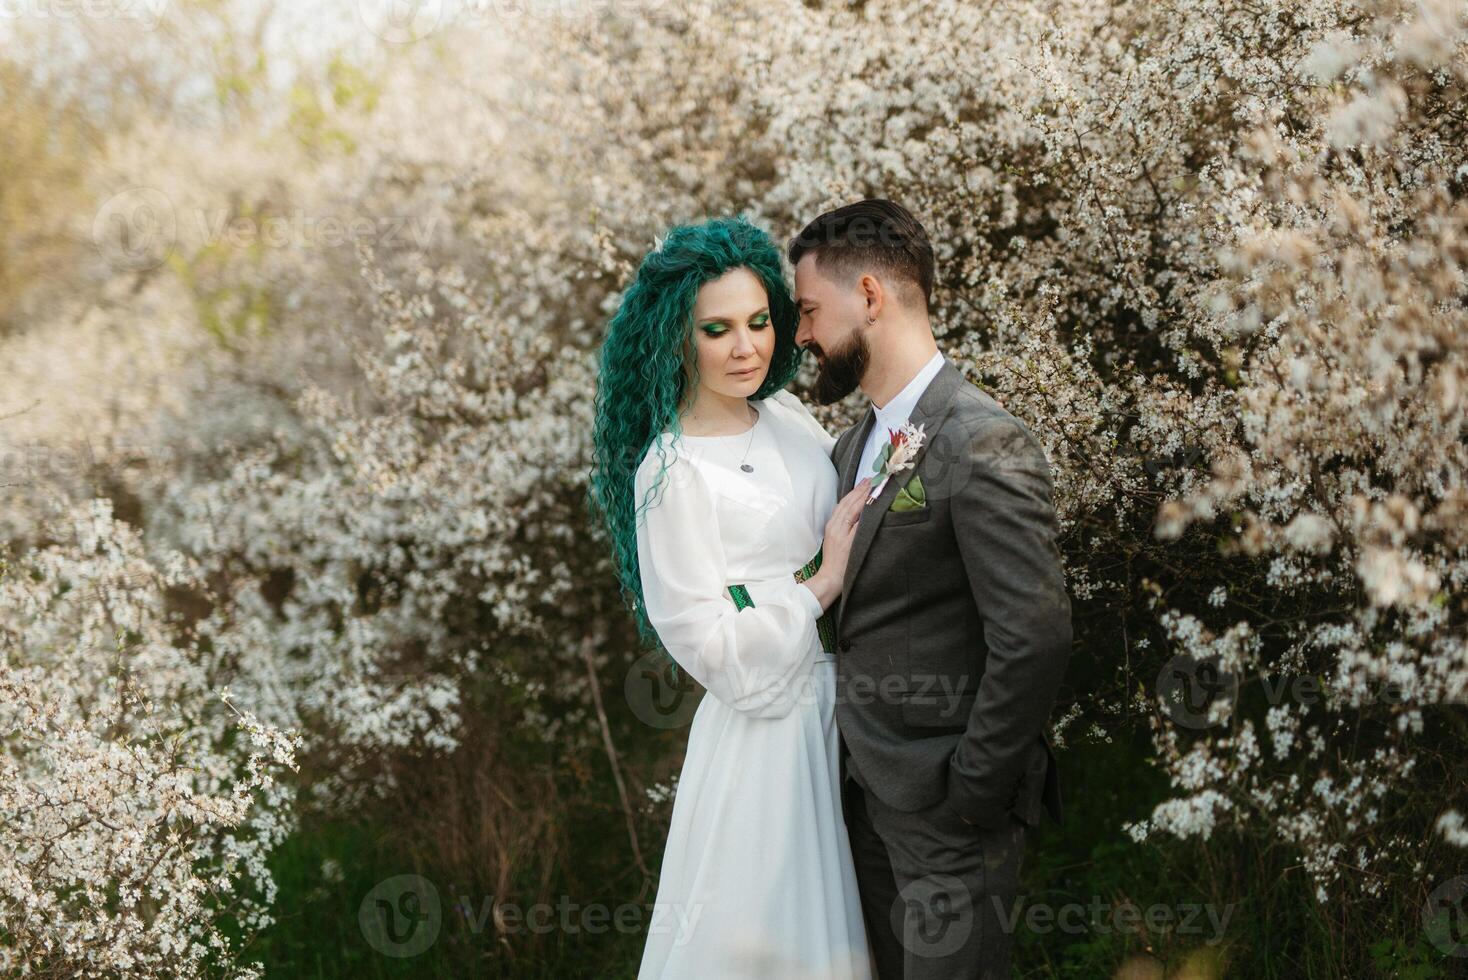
746,467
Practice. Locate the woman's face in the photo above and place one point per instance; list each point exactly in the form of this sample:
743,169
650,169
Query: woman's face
733,335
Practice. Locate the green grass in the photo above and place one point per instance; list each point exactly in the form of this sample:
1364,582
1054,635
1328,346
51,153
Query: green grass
1275,929
318,935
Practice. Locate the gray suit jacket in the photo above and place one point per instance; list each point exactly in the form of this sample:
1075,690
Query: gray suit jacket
953,627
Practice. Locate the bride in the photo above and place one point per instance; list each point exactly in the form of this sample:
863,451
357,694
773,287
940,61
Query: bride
718,494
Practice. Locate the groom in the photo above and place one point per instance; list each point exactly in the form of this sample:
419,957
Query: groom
953,627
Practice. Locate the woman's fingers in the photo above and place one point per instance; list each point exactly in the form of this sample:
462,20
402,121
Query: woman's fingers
853,502
847,512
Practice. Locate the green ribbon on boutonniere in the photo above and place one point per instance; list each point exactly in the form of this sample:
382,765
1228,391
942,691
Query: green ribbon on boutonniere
910,497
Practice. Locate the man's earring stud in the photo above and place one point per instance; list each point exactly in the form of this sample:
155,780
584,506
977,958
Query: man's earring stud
871,320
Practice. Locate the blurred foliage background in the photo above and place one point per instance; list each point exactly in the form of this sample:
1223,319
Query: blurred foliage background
298,316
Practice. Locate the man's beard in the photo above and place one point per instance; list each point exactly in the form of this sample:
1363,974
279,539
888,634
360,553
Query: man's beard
841,369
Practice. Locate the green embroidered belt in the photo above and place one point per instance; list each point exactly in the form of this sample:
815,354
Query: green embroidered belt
825,625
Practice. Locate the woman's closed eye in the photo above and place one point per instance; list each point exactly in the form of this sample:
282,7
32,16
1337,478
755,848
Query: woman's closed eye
718,328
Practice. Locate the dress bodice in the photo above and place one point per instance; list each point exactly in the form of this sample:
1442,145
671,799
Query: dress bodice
770,521
705,524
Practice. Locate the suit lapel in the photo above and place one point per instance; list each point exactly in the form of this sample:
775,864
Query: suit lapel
932,409
853,452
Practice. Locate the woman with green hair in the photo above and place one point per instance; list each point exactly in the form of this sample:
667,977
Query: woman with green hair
718,494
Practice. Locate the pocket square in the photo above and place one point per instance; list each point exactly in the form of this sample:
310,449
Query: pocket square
910,497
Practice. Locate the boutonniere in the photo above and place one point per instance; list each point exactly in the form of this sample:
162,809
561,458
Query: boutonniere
896,456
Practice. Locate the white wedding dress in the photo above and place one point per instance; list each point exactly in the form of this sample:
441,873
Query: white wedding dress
757,880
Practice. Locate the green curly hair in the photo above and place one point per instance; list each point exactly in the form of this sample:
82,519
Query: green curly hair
648,365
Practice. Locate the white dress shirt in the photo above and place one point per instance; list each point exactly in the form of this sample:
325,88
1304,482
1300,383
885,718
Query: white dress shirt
892,415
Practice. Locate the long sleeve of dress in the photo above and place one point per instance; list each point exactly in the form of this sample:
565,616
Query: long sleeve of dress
748,658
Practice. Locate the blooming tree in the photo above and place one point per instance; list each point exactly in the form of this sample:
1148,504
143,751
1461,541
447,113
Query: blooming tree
1213,254
136,816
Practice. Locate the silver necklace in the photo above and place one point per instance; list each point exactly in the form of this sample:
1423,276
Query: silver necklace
746,467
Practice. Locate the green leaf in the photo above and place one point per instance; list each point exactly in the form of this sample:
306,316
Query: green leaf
881,459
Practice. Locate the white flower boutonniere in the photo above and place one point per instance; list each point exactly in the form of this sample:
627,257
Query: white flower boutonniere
896,456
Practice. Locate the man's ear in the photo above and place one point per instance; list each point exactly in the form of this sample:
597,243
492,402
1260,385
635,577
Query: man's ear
873,294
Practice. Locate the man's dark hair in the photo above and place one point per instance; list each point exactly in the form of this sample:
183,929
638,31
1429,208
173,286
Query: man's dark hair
870,233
